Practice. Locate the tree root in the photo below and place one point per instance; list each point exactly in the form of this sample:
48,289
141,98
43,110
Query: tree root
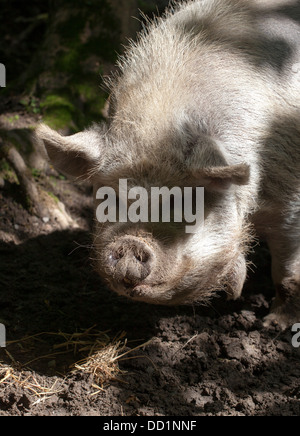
37,201
27,183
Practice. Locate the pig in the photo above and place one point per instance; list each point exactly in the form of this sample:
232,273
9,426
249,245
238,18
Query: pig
208,96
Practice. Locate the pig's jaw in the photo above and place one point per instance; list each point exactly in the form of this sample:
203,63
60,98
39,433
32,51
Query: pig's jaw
149,291
140,292
180,274
155,289
166,294
190,287
148,294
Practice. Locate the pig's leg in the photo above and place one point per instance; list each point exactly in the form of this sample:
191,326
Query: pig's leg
236,279
285,250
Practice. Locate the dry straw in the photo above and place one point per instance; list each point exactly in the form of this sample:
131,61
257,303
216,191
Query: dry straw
27,381
101,361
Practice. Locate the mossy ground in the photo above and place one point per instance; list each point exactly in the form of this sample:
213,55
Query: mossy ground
63,82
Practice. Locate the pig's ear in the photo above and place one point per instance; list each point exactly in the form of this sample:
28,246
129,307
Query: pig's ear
221,178
74,155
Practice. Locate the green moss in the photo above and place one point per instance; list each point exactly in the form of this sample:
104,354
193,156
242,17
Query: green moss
92,101
7,173
58,118
87,30
31,104
4,165
53,197
36,173
76,109
12,119
58,111
56,100
68,62
96,106
85,91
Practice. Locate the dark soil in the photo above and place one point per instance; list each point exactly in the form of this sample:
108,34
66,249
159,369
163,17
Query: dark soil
216,360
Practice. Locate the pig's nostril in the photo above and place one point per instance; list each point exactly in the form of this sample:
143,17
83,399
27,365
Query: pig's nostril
142,257
130,262
119,253
115,256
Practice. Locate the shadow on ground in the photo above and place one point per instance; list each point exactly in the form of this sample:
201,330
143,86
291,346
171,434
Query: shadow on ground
201,361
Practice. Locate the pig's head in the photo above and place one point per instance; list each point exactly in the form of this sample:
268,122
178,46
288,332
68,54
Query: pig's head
159,262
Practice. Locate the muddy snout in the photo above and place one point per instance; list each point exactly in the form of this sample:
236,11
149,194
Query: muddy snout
130,261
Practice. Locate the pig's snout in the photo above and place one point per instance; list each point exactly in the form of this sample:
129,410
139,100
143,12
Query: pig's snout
130,261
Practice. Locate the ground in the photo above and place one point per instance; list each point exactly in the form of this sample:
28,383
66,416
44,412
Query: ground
151,360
